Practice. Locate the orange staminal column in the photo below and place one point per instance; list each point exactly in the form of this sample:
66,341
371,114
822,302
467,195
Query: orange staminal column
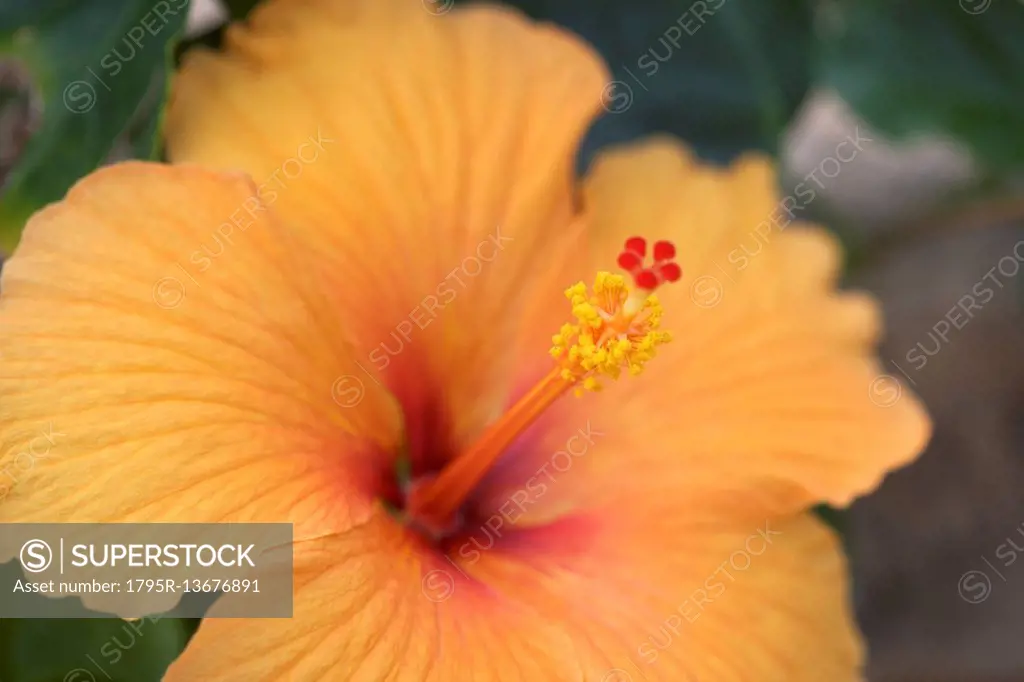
614,328
433,504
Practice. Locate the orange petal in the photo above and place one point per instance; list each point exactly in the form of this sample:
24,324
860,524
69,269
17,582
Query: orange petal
769,389
373,604
140,387
430,158
724,601
647,593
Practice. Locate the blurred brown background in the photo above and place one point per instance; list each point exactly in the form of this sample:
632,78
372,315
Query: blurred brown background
930,548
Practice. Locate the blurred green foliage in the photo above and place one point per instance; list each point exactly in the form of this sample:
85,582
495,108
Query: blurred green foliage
97,70
940,67
84,81
89,649
725,75
728,75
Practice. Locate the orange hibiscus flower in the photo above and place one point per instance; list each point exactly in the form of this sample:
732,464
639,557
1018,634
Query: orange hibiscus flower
338,312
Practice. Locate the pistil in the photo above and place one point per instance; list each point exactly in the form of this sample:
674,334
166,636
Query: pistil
615,327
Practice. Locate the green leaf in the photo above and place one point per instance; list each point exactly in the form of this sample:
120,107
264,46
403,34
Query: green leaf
96,649
83,650
144,131
832,517
926,66
239,9
725,75
91,63
16,15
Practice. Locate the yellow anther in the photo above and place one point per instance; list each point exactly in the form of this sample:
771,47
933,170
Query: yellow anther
615,329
